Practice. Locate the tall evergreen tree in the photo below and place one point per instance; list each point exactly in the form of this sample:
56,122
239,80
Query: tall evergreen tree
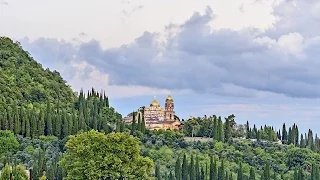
220,130
240,173
284,133
302,142
65,126
23,121
139,122
266,171
221,171
192,169
157,172
215,129
171,176
133,124
212,171
248,132
184,168
41,124
197,169
58,125
227,130
252,174
28,128
178,169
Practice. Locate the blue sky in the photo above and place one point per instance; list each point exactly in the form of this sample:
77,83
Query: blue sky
257,59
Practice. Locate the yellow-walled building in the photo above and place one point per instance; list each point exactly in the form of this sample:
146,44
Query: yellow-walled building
157,117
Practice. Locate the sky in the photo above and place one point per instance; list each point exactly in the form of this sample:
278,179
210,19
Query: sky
256,59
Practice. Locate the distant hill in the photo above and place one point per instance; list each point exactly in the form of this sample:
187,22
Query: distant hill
24,80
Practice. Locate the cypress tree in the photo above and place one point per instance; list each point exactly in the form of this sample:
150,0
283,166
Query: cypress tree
221,171
274,175
1,121
197,169
139,122
10,119
28,130
23,121
58,125
266,172
48,121
171,176
133,124
220,130
75,127
95,114
6,120
70,124
302,142
206,175
211,175
178,169
252,174
240,173
295,175
317,173
122,126
41,124
312,174
215,129
82,123
33,124
284,133
65,126
226,177
227,130
202,174
300,174
192,169
290,136
215,170
248,130
143,125
17,124
296,135
157,172
230,177
184,168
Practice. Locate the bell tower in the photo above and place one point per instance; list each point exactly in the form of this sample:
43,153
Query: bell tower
169,108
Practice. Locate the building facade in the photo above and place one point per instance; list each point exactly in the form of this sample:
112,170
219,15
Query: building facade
157,117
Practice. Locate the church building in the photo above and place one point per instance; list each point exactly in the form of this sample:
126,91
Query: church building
157,117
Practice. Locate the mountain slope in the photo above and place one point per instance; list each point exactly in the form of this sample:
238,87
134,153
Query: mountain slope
24,80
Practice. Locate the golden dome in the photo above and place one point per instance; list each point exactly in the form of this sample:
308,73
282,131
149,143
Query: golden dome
169,98
154,102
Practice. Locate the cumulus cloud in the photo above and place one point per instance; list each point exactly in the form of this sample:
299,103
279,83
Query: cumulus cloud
192,56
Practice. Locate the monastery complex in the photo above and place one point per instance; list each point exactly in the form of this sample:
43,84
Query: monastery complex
157,117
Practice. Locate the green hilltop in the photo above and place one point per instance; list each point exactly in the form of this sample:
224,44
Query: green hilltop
24,80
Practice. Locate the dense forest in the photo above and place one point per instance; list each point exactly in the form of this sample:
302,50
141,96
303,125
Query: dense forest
53,133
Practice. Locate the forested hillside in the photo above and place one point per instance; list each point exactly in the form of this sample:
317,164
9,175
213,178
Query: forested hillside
23,81
42,111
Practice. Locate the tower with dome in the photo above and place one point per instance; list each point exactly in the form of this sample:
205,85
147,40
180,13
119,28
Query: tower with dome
157,117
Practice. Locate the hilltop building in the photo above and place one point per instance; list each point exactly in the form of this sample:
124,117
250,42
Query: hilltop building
157,117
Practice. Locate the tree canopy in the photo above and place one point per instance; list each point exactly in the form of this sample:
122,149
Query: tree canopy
94,155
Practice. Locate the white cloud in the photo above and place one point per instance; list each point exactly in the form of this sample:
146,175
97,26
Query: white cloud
291,44
100,81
